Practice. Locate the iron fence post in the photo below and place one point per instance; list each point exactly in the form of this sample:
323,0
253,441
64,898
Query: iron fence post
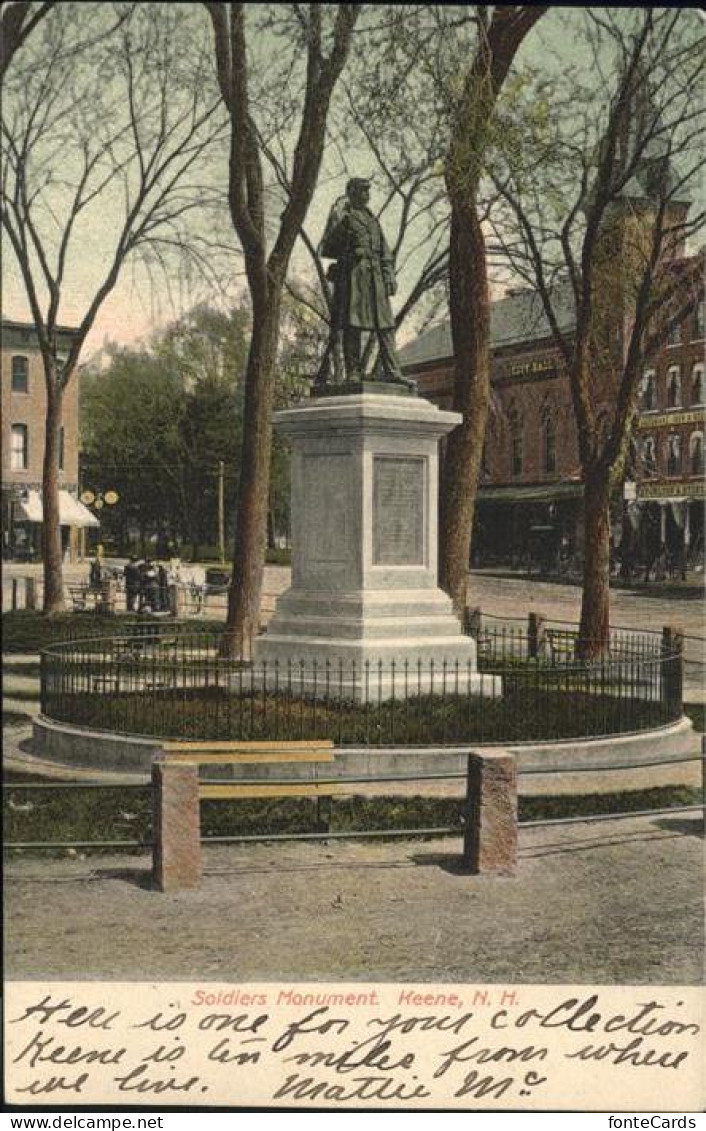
672,669
535,634
703,778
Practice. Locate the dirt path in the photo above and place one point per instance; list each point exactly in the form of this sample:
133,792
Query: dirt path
617,901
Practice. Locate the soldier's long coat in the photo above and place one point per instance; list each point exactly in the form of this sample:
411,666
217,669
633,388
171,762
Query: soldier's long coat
363,270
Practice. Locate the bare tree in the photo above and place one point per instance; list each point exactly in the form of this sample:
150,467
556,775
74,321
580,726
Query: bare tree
320,36
599,206
119,133
18,19
500,34
425,118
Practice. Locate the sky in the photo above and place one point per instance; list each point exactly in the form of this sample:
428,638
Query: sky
137,305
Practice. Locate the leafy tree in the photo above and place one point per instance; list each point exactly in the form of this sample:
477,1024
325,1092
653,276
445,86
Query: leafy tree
207,349
131,419
158,421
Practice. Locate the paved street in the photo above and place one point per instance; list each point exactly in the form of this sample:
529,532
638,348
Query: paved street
504,597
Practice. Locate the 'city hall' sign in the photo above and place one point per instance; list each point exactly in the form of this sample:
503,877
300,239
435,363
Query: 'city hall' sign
531,369
538,366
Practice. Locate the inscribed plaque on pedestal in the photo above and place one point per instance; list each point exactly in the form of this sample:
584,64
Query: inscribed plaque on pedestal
398,511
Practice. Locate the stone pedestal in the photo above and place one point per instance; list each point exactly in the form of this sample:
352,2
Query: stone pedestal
176,855
490,839
364,597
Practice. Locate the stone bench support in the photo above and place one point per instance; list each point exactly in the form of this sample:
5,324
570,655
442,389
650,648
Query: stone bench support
177,825
490,838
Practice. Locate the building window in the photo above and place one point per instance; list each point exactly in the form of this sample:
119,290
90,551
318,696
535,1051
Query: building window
696,453
674,334
698,323
517,456
516,445
19,449
649,457
20,375
547,414
673,387
648,392
61,448
697,385
549,446
674,455
484,457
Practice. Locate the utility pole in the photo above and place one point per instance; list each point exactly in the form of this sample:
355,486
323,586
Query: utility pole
221,514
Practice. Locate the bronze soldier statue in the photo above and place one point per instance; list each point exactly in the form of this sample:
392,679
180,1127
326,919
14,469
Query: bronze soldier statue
363,278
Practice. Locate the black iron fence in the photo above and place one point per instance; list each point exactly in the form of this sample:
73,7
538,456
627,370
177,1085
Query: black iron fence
529,687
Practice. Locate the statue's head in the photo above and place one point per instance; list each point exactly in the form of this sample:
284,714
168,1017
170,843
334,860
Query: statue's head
358,190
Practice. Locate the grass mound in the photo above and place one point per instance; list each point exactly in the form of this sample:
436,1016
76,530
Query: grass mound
70,814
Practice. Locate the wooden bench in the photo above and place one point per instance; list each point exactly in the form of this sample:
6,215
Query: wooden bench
560,644
85,599
79,595
144,636
177,791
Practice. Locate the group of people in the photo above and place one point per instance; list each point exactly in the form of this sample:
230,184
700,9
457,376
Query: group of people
147,586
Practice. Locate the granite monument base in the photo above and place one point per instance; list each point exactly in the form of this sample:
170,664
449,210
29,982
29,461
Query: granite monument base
364,596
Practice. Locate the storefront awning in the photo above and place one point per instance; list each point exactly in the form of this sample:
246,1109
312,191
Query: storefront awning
71,511
531,493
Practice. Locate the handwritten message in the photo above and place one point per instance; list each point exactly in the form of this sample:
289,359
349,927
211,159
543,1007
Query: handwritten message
309,1045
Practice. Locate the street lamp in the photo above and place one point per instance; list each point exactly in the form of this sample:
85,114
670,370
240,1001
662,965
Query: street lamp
97,500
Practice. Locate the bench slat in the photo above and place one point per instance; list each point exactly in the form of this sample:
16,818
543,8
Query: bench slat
234,744
296,789
243,757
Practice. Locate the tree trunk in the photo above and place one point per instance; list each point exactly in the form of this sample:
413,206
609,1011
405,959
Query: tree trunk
470,330
244,595
594,630
51,527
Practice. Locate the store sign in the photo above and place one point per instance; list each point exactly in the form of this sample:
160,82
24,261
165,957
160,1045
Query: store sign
668,419
667,490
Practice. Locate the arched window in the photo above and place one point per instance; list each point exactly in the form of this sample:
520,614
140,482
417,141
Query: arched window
549,434
697,384
673,387
674,454
648,391
516,440
649,457
696,453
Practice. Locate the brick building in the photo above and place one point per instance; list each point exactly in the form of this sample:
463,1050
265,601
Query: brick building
529,504
668,444
530,477
23,424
